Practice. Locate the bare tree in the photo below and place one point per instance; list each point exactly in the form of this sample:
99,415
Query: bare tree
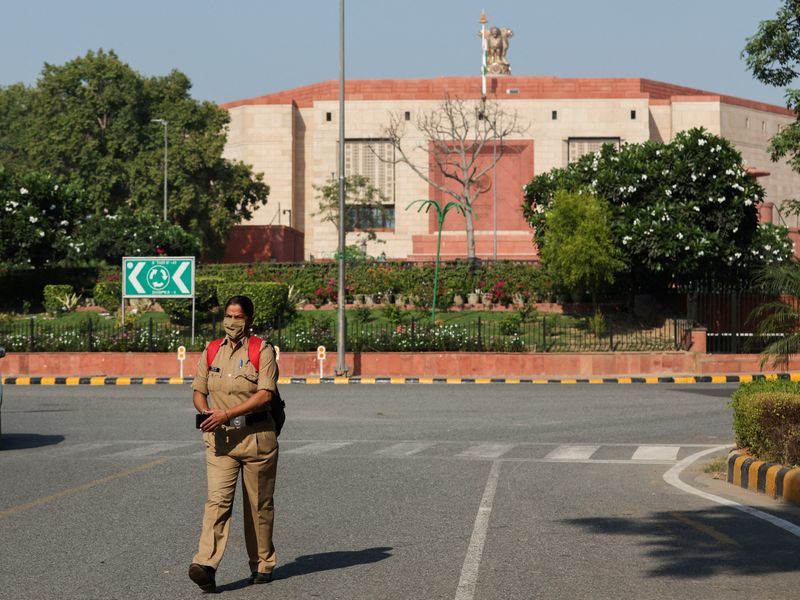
453,136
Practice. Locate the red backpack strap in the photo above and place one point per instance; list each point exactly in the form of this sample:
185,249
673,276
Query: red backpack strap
213,348
254,351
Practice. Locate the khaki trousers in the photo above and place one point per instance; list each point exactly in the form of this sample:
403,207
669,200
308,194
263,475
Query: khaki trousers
255,454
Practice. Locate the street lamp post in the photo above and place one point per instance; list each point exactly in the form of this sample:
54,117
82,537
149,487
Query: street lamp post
164,122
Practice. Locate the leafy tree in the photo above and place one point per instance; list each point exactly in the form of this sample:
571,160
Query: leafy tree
679,211
579,252
778,319
89,122
38,217
452,139
365,209
773,57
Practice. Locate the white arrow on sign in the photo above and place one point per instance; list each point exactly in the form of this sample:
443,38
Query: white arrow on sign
133,277
176,277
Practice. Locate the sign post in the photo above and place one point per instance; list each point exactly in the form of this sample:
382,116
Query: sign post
158,277
181,357
320,358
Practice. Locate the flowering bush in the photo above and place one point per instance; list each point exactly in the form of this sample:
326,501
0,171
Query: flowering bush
679,211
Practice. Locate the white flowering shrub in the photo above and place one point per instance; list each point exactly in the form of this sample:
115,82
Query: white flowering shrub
38,218
680,211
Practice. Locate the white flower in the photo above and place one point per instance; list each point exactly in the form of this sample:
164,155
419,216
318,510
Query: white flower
644,176
41,233
696,208
679,236
33,219
721,199
668,192
55,188
767,247
729,172
701,142
686,247
748,202
738,254
626,239
701,253
694,177
64,223
23,191
735,229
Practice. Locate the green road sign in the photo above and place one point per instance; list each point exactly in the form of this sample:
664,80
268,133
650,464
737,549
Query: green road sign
158,277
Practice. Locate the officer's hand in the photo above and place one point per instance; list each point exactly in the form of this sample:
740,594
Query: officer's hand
216,419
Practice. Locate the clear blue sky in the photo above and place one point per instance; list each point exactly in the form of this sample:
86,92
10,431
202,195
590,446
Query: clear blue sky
243,48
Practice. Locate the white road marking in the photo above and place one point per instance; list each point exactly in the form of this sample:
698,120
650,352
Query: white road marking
485,451
82,447
317,448
673,477
472,562
656,453
148,450
572,452
405,448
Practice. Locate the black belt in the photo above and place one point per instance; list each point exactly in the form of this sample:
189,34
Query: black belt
249,419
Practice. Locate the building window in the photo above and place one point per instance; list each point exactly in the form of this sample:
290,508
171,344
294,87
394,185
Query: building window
554,115
763,126
328,117
358,217
633,115
372,159
747,123
408,115
577,147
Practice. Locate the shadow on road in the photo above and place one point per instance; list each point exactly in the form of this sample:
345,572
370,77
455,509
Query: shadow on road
327,561
313,563
22,441
703,543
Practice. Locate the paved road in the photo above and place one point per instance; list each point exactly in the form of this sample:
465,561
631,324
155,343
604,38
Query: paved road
419,492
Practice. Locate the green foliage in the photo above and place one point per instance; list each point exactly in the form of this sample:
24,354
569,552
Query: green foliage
366,209
362,314
778,319
773,57
206,303
55,297
393,314
511,325
579,252
597,324
38,219
679,211
108,294
270,299
89,123
766,419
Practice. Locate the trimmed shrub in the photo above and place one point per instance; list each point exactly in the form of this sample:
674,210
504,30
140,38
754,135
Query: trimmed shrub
205,302
271,300
766,419
108,294
53,295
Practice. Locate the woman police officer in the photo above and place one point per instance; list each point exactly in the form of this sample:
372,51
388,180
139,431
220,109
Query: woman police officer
246,444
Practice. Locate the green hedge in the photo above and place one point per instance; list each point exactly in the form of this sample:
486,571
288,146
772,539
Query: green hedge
270,299
108,294
52,296
766,419
206,303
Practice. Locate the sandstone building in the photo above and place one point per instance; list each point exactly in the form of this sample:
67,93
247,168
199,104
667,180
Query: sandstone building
292,137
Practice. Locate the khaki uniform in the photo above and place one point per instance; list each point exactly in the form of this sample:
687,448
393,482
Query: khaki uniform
252,449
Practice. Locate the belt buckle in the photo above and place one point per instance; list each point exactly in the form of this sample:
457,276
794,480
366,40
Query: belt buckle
237,422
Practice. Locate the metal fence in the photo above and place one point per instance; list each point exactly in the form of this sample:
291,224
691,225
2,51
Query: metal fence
539,334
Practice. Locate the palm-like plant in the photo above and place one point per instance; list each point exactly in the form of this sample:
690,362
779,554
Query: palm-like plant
779,319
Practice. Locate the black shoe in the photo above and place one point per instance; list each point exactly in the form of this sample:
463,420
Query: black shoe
260,577
203,576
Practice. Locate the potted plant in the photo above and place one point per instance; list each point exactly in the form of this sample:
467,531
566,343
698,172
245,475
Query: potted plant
474,297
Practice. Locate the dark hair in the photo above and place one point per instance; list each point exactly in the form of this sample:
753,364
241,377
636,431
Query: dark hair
244,302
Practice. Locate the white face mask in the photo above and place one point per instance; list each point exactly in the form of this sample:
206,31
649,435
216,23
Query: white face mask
235,328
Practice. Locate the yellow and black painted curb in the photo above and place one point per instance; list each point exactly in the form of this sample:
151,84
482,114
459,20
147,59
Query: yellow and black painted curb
408,380
772,479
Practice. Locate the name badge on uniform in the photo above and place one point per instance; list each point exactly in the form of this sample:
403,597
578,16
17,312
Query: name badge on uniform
214,369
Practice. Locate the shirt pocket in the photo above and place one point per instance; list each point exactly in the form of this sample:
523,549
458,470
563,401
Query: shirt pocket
214,381
246,379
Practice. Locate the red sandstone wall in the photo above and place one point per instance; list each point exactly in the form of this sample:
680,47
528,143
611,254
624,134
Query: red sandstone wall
426,364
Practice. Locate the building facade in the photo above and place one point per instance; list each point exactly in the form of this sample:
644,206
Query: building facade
292,137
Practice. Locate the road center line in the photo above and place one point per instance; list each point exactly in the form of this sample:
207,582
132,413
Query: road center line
673,478
78,488
472,562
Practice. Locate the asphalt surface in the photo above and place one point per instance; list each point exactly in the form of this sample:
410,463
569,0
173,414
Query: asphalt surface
419,492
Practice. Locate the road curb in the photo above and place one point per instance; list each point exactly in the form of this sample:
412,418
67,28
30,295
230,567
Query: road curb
772,479
101,380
